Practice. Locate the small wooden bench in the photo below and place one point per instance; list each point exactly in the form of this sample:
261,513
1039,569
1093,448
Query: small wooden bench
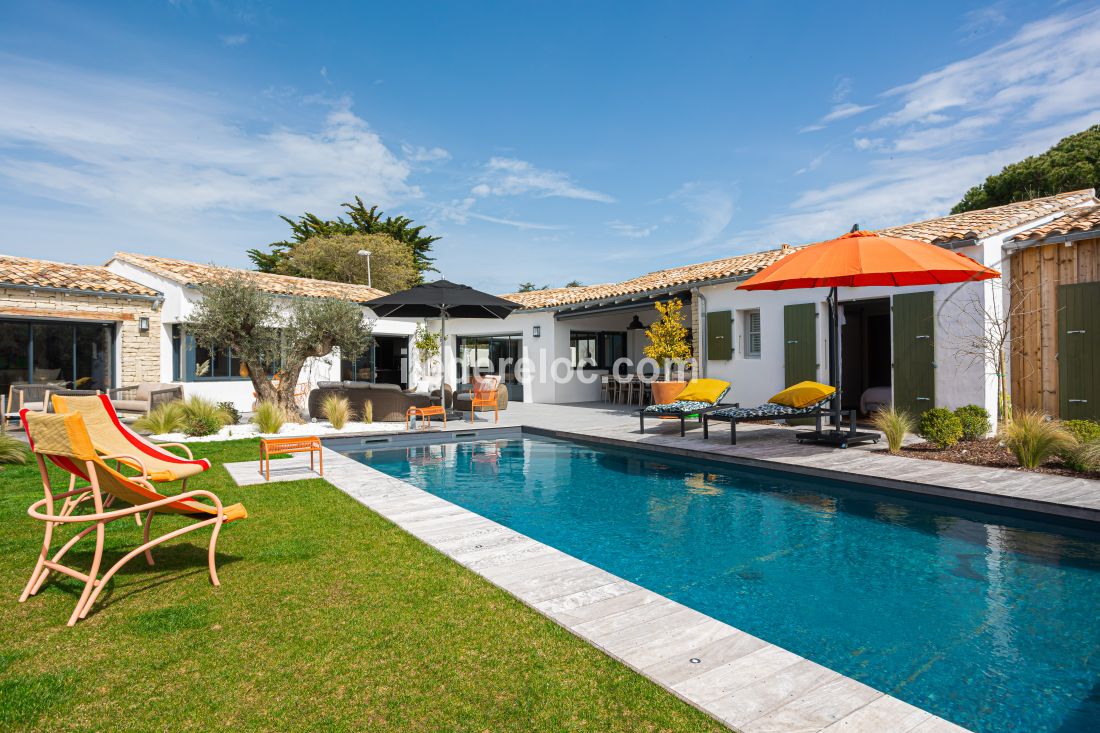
270,446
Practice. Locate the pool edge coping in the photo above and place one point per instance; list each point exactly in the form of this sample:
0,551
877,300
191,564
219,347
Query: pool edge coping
418,526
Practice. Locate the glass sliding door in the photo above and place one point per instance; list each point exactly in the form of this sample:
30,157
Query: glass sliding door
77,355
15,345
93,357
53,353
491,355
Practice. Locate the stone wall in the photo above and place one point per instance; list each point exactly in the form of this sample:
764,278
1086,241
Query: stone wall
140,352
697,334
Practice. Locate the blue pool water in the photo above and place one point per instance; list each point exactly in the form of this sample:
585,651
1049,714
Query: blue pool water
989,621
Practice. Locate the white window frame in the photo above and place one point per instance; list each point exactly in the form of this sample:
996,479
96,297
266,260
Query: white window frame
746,324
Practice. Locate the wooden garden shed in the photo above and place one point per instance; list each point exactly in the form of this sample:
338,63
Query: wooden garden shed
1055,316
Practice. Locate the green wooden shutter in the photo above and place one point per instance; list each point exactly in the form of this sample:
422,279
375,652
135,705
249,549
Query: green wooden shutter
914,352
719,336
799,343
1079,351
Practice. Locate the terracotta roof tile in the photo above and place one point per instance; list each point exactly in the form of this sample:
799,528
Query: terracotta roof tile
193,273
987,222
46,274
968,225
659,280
1081,219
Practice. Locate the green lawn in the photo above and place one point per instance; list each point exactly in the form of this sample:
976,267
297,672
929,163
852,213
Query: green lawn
329,618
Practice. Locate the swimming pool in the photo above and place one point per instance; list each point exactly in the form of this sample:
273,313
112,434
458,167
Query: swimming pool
989,621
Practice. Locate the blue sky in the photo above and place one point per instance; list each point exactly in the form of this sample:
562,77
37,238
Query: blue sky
543,141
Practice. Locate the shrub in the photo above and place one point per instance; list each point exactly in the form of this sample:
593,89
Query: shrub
166,418
894,424
1083,431
336,409
368,412
1033,438
269,417
1084,452
231,412
1087,456
12,450
975,422
202,417
941,426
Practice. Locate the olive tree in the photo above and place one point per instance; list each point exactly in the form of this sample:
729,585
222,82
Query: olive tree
263,331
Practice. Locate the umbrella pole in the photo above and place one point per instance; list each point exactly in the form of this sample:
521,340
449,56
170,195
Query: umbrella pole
834,354
836,436
443,350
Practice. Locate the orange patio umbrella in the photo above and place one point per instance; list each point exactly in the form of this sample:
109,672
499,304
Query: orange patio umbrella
862,259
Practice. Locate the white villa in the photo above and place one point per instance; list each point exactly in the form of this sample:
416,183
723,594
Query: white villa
102,327
905,345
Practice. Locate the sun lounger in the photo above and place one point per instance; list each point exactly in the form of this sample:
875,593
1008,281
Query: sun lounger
110,436
765,412
63,440
682,409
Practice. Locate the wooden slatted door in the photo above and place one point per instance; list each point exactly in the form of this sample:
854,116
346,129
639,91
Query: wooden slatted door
799,343
1079,351
719,336
914,352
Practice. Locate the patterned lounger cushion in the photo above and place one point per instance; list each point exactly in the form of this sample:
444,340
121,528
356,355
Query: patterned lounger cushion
767,411
680,407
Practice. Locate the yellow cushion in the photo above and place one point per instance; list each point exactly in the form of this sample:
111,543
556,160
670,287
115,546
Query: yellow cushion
703,390
803,394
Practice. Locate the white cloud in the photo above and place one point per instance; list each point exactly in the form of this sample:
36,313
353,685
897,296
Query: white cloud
105,141
813,165
1048,69
842,90
846,110
980,21
237,39
421,154
841,111
633,231
710,208
461,211
951,128
513,177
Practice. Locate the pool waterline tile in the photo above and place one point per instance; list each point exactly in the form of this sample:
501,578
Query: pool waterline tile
577,594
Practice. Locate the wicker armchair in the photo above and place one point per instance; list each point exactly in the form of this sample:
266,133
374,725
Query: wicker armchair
31,396
141,398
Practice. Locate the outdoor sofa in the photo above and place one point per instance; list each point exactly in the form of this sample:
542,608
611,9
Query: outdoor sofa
388,401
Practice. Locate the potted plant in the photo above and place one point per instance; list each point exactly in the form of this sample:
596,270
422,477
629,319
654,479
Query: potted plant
668,344
427,346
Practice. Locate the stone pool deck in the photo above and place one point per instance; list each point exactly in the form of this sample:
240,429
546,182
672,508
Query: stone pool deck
739,679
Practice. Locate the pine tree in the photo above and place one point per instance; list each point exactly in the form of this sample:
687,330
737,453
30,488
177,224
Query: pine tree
361,221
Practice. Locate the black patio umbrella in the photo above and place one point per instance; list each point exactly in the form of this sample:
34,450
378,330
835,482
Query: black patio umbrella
442,299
